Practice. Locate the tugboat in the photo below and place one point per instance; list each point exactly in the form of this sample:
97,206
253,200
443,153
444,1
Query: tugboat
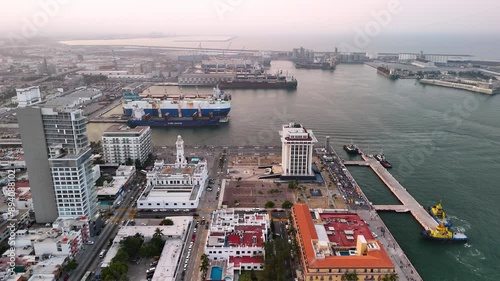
438,214
351,148
441,233
381,158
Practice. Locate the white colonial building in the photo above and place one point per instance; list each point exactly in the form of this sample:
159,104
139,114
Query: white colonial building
236,240
174,186
296,150
120,142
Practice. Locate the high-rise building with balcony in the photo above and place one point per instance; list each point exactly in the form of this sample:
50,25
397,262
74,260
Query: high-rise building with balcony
59,162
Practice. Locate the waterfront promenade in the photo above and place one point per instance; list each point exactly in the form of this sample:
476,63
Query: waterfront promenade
404,268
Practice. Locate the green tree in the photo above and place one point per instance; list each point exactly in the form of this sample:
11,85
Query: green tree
245,276
391,277
269,204
204,265
146,251
287,205
158,233
350,276
167,222
121,256
132,244
71,265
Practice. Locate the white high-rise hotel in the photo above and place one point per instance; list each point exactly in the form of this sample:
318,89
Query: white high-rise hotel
296,150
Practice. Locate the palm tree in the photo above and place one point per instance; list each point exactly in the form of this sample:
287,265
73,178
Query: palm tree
350,276
158,232
392,277
204,266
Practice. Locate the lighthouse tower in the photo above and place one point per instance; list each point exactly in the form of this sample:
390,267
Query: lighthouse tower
180,161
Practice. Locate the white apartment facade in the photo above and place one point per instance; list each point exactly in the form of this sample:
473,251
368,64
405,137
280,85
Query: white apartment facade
28,96
70,163
297,144
121,142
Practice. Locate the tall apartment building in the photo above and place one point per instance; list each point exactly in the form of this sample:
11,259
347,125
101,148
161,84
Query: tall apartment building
59,162
296,150
121,142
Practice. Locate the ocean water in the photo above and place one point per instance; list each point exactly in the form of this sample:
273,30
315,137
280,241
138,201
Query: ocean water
443,144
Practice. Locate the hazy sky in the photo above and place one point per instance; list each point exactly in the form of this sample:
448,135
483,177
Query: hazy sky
236,17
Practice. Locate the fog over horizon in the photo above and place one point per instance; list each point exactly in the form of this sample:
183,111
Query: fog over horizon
72,18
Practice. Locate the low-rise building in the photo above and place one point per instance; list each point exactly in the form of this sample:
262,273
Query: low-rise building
338,243
174,186
121,143
236,240
176,236
65,238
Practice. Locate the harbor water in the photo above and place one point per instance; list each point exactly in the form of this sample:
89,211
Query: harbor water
443,144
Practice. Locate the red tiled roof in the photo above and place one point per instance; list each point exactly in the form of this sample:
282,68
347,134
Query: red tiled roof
22,184
350,222
246,260
305,227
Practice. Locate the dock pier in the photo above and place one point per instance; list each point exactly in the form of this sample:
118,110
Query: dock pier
409,204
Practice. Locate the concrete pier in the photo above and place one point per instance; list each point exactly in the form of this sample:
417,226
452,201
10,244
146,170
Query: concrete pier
408,202
356,163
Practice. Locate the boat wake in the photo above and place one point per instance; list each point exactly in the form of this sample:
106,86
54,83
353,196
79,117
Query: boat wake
471,258
461,224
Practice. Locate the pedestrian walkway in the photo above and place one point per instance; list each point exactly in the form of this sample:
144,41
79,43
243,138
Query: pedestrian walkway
404,268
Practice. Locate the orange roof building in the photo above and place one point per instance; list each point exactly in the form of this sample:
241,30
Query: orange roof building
336,244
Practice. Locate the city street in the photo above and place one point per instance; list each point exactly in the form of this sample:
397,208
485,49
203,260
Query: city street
88,259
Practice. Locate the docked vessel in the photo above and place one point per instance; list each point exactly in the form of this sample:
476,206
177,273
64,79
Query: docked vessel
391,73
177,110
381,158
315,65
260,81
442,233
351,149
438,214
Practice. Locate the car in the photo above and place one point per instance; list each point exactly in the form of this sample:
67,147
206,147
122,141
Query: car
90,242
155,263
176,210
155,210
374,234
190,246
186,210
152,269
163,210
194,231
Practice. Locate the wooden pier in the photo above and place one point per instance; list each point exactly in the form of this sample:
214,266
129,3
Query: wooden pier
408,202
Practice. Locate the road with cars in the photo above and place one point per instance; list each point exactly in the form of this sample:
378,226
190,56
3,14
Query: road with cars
88,259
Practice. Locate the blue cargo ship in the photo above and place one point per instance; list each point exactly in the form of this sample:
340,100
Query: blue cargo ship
178,110
217,104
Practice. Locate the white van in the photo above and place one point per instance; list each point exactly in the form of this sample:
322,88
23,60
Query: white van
102,254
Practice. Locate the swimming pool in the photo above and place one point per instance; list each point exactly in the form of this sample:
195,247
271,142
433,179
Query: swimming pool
344,253
216,273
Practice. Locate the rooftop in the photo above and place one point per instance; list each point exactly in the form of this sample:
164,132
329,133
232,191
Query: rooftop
117,129
246,260
323,254
342,228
